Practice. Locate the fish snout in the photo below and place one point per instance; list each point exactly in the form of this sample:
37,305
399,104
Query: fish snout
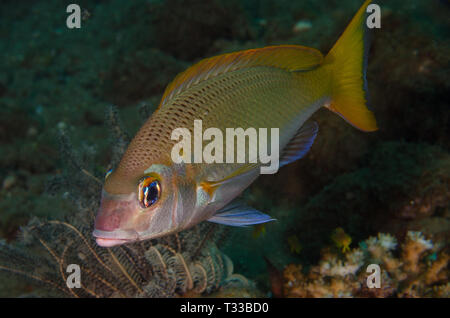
109,220
112,213
112,224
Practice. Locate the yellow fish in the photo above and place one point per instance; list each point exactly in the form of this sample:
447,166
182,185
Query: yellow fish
259,230
341,239
149,196
294,244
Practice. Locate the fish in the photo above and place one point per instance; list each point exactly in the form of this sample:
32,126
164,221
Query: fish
341,239
148,195
259,230
294,244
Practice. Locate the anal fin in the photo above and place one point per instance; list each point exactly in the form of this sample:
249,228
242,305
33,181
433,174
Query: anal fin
300,144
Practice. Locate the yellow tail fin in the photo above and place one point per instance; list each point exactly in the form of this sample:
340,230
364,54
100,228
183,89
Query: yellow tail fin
348,60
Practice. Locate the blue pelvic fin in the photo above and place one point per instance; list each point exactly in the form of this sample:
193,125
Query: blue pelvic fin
238,214
241,174
299,144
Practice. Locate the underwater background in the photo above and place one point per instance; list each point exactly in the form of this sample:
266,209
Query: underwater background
70,99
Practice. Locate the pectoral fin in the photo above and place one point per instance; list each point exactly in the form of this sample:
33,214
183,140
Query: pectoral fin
299,144
240,175
238,214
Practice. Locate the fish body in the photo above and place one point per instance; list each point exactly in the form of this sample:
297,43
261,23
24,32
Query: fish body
149,195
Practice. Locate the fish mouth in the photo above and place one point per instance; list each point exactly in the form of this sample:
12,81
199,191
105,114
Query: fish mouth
114,238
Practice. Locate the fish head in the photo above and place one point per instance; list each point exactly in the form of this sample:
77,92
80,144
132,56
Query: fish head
153,205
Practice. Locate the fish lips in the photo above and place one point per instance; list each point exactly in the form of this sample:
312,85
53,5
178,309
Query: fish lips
115,213
113,238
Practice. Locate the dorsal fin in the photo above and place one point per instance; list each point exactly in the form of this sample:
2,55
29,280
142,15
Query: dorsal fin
287,57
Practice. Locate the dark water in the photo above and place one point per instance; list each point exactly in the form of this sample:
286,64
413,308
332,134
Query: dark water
395,180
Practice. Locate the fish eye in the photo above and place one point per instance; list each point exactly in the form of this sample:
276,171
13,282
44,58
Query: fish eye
108,173
149,191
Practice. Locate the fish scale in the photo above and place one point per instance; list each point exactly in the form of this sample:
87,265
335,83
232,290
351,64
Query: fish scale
262,97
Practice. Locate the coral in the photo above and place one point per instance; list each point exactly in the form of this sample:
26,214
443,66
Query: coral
162,268
391,181
418,268
398,187
237,286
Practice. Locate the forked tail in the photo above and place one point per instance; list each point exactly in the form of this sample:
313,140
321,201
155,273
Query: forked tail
348,60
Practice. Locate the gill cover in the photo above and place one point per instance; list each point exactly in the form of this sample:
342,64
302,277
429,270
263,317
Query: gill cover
153,209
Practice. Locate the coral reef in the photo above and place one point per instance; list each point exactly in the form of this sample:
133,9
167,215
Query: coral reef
174,266
399,187
418,268
139,74
51,78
